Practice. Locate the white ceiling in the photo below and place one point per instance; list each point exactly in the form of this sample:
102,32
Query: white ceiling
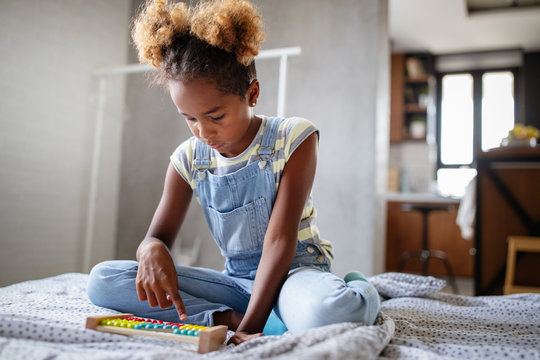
445,26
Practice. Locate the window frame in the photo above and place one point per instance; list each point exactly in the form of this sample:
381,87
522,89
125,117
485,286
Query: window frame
477,110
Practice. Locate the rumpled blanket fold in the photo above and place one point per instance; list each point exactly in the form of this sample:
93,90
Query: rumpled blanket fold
44,319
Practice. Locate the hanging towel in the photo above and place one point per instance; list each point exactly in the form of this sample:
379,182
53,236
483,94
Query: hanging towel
467,211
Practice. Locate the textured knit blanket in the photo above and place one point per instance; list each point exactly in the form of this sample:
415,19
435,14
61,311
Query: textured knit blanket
45,319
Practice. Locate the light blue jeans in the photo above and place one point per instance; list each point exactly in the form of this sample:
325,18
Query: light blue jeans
310,297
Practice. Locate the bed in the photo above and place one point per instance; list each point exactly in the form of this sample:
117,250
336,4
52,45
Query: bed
45,319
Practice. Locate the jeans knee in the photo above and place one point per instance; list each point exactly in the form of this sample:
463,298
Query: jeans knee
97,285
359,303
105,280
372,305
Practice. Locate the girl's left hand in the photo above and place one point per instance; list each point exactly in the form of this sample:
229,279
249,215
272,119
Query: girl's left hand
241,336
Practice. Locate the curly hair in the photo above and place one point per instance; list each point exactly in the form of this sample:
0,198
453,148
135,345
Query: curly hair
217,40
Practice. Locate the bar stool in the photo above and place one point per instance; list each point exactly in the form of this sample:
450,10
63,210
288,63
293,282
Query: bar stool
426,253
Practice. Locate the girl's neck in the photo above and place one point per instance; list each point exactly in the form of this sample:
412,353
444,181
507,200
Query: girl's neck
251,133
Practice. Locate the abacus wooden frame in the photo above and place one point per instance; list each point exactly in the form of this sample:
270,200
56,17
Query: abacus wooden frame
208,340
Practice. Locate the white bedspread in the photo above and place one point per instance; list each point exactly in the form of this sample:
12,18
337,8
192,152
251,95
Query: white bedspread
44,319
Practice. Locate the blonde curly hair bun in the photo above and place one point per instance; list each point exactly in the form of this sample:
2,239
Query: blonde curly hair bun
231,25
155,27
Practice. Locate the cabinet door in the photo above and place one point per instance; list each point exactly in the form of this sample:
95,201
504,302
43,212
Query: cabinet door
404,233
396,98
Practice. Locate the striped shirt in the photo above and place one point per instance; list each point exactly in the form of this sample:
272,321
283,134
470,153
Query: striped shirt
291,133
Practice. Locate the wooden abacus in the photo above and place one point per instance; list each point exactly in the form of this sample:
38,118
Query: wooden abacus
206,338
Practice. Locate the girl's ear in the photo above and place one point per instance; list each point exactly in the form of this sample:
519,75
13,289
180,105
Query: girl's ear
252,94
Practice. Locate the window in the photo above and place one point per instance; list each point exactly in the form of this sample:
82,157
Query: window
476,110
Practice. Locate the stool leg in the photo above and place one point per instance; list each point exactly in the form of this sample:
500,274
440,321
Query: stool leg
425,254
424,259
403,261
441,255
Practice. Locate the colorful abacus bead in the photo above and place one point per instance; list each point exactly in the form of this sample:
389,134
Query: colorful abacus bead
156,325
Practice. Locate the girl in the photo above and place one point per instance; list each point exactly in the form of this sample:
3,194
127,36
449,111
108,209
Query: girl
252,176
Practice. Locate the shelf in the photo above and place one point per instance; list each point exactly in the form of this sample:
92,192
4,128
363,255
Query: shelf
417,80
415,108
412,92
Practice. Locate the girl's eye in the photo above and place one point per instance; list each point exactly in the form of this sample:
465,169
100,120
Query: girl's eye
217,118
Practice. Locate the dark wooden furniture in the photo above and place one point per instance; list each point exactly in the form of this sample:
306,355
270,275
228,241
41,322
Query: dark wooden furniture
507,204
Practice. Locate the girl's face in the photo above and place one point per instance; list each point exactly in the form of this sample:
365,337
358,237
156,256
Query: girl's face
224,122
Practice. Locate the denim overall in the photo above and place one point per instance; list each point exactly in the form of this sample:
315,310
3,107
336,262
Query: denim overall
237,207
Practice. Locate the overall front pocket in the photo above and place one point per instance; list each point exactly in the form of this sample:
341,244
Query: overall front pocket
242,230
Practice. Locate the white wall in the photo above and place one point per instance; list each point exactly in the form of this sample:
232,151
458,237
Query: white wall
49,50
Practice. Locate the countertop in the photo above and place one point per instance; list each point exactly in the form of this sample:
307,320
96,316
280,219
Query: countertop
413,197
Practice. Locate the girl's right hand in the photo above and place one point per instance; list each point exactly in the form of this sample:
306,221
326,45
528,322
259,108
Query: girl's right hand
241,336
156,280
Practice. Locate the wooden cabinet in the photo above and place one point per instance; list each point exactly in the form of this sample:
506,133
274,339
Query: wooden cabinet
411,97
404,233
508,203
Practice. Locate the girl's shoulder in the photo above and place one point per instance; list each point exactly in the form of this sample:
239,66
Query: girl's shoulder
182,159
292,132
294,124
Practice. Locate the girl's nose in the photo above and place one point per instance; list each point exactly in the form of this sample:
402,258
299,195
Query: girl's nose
206,131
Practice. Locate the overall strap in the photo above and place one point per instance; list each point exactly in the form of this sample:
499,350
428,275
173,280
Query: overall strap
268,141
202,156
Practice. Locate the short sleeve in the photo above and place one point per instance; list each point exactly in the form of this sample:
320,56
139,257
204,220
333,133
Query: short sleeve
296,130
182,160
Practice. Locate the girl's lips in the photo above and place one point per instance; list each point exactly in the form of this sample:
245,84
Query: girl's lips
215,146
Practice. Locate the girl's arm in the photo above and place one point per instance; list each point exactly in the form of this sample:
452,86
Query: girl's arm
279,247
156,277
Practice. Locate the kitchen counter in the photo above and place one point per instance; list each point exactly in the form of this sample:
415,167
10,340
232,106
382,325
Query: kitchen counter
421,198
